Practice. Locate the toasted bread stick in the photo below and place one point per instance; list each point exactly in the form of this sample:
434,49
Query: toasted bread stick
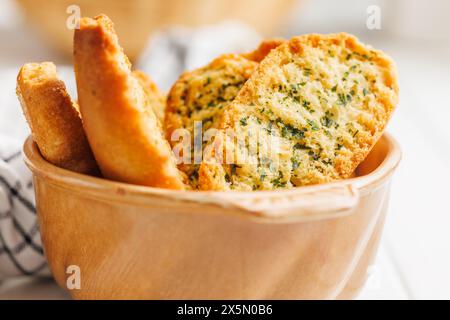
124,132
53,118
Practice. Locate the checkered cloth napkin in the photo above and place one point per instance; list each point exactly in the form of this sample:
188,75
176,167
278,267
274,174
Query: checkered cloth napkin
167,55
20,244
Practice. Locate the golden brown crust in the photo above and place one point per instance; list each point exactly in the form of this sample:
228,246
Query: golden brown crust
122,129
157,99
263,49
327,98
53,118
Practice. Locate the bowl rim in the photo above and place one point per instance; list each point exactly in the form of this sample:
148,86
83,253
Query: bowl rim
41,167
102,189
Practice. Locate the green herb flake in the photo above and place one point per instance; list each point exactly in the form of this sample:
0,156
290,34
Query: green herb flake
299,146
349,97
313,125
295,163
326,121
278,182
314,155
296,133
284,132
306,72
306,105
262,176
342,99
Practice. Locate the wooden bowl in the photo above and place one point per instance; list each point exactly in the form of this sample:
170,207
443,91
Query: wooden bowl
135,20
130,241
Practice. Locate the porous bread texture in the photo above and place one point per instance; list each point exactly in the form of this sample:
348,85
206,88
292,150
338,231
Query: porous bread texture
156,98
53,118
317,103
123,130
200,96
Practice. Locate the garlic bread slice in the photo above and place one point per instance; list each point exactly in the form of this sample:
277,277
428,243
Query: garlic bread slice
317,105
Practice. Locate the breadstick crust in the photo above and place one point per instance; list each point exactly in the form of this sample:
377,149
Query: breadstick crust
202,95
326,98
53,118
124,132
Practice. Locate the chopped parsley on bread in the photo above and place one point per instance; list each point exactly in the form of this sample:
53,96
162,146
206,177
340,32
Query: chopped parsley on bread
318,104
200,96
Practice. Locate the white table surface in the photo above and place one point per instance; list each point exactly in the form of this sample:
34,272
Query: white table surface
414,257
383,283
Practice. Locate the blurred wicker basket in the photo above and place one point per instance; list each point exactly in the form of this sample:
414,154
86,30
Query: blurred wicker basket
135,20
